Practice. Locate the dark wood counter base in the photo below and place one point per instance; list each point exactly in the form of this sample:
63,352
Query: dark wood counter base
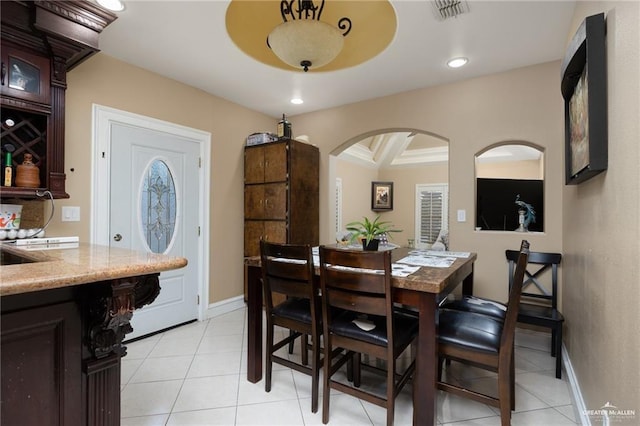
61,351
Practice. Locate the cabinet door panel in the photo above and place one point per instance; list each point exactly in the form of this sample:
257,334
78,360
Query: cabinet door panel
43,388
254,202
275,162
256,230
253,231
275,201
275,232
254,165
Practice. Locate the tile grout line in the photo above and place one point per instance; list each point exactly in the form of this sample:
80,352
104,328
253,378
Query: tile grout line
531,383
186,374
242,347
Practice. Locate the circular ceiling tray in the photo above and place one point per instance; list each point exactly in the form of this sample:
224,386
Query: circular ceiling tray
373,27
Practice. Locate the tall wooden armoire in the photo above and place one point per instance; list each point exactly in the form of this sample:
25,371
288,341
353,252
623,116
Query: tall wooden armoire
281,194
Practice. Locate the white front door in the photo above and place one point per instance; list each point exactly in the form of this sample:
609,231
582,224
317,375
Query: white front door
154,208
149,194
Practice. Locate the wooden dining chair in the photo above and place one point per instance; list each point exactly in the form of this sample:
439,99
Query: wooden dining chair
358,316
288,270
539,308
485,342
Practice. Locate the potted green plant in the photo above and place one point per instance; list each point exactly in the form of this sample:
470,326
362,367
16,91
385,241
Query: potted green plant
370,231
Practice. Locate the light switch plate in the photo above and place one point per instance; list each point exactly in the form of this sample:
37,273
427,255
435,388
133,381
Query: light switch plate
70,214
462,215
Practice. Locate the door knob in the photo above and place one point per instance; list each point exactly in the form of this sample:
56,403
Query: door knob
117,237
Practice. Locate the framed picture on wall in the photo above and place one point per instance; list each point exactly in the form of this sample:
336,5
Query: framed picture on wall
381,196
584,89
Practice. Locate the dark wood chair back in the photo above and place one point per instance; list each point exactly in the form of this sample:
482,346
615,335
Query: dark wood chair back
353,284
292,300
513,305
349,282
288,270
540,308
486,342
545,262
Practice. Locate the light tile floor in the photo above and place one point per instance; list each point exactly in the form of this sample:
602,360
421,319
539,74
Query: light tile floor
196,375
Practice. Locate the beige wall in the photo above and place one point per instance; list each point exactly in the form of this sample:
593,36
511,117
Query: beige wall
524,105
106,81
356,190
526,169
598,228
356,193
490,106
404,188
602,233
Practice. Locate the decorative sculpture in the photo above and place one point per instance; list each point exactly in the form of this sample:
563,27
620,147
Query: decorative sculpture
527,215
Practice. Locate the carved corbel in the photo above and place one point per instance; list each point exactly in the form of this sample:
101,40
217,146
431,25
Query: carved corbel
111,309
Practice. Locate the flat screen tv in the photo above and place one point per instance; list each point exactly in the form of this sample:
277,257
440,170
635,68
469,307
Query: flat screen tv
495,203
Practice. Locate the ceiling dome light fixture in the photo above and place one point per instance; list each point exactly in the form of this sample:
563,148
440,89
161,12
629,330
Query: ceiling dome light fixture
303,40
297,101
250,23
457,62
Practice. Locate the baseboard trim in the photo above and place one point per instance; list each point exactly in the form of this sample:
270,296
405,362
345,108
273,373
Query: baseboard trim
574,388
224,306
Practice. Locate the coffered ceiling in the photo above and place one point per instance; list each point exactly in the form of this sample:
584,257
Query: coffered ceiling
398,149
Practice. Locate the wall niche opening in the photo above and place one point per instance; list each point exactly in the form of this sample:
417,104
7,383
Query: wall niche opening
505,173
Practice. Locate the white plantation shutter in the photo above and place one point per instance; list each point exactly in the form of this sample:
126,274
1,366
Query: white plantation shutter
432,211
430,215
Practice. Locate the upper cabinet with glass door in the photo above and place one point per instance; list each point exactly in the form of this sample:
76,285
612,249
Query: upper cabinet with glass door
25,76
41,41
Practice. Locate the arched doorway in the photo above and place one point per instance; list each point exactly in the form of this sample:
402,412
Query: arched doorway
405,156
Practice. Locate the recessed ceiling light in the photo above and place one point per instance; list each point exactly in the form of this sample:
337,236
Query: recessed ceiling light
114,5
457,62
297,101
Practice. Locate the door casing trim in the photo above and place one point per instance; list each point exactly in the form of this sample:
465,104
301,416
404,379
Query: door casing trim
102,119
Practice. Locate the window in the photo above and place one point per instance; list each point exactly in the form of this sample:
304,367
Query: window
158,208
432,212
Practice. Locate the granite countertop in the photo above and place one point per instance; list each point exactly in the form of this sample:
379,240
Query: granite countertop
84,264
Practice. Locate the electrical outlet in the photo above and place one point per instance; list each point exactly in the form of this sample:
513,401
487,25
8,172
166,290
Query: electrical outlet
70,214
462,215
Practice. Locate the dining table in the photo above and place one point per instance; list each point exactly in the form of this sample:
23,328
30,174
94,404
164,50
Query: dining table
421,290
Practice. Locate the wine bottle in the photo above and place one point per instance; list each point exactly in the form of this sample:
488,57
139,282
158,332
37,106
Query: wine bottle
284,128
8,170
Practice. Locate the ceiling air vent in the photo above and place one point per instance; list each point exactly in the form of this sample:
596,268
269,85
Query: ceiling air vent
445,9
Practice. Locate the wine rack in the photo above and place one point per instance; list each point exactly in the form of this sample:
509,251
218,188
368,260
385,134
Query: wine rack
26,135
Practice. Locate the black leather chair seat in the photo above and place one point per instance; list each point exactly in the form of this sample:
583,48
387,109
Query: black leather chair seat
478,305
470,330
406,329
539,313
294,309
484,342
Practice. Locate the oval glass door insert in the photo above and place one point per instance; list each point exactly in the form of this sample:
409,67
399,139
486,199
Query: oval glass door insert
158,206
